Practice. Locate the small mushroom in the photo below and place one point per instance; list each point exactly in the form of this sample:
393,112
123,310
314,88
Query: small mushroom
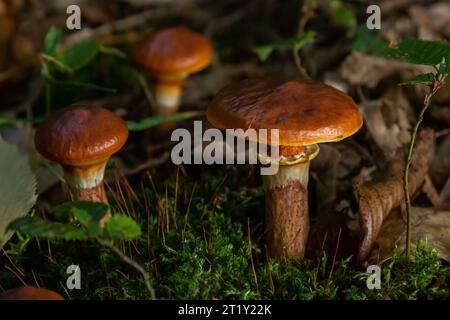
82,139
306,113
171,55
30,293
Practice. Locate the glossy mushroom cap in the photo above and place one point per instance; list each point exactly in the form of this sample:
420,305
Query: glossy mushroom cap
30,293
173,51
81,135
306,112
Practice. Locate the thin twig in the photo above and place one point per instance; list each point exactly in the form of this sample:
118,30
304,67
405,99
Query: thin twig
435,87
306,13
132,263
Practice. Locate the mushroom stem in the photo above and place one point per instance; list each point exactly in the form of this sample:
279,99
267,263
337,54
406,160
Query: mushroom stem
167,98
287,216
85,183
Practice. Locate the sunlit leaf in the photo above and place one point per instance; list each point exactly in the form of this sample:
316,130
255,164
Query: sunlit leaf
121,227
79,55
423,52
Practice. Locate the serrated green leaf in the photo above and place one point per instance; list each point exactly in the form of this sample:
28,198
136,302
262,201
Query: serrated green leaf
422,52
52,40
17,187
36,227
84,211
79,55
121,227
154,121
424,78
296,42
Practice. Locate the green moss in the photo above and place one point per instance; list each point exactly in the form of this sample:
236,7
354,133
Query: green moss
205,255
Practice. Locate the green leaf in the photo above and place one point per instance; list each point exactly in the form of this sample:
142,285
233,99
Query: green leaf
369,41
444,67
79,55
424,78
423,52
36,227
12,122
121,227
296,42
88,213
52,40
7,123
154,121
84,211
345,17
17,187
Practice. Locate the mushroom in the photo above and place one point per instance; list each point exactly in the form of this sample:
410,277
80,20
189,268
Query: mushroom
306,113
82,139
30,293
170,56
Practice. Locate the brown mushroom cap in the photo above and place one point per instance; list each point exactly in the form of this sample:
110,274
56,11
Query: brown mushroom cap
174,50
30,293
305,111
81,135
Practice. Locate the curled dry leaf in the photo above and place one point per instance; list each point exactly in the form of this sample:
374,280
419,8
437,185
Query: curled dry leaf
428,224
377,199
361,69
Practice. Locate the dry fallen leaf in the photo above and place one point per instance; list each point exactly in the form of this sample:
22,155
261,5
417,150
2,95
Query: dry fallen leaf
376,200
434,17
426,223
440,167
387,121
361,69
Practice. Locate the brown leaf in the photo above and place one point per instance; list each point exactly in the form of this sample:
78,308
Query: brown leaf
361,69
376,200
426,223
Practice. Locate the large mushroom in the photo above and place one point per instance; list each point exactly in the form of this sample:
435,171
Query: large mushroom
171,55
306,113
82,139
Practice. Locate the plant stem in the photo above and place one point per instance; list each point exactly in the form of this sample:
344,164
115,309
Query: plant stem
436,86
132,263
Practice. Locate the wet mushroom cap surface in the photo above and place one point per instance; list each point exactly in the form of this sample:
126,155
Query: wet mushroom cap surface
305,111
81,135
174,50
